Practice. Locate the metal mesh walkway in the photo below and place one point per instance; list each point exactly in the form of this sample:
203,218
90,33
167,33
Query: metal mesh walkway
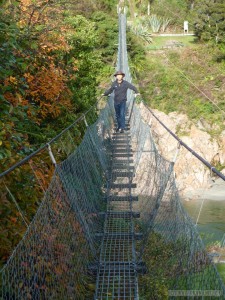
117,275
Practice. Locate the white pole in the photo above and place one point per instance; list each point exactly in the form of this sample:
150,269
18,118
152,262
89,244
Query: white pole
51,155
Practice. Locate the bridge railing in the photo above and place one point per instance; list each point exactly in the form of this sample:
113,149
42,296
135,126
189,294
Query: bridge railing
52,260
163,220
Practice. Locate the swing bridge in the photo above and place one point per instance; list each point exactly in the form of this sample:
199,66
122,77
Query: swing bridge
111,207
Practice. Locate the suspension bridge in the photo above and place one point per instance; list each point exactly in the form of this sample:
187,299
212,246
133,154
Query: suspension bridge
109,204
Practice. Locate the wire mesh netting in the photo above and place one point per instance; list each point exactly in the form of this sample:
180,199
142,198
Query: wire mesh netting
60,241
111,224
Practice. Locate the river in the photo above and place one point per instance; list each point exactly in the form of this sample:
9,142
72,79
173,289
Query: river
211,224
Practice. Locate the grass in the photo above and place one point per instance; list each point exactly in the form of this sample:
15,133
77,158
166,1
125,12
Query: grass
221,270
164,87
160,42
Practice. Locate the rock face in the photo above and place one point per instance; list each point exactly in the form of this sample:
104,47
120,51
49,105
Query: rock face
222,148
190,173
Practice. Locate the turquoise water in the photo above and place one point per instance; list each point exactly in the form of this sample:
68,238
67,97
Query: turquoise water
211,224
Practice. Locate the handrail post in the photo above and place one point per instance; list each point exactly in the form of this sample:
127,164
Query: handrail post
85,122
51,155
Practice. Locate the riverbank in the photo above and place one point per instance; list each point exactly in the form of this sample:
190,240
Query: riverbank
216,192
207,209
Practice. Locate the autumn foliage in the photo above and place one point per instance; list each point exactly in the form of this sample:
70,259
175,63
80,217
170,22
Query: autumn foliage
50,66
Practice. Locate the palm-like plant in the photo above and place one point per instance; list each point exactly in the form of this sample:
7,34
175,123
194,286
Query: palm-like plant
165,23
155,23
140,29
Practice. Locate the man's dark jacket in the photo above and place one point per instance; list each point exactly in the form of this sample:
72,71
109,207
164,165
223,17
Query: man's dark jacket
120,90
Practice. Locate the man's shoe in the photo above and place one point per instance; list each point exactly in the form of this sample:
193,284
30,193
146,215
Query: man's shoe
121,131
117,129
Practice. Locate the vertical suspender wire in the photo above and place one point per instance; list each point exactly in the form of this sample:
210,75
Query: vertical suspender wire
38,179
17,205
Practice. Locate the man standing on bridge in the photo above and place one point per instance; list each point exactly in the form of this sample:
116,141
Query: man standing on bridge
120,87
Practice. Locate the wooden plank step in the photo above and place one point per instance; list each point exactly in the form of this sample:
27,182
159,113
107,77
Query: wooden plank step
122,198
127,128
120,150
126,122
122,167
120,142
125,144
124,133
121,139
122,155
121,135
117,266
122,174
123,161
123,185
121,145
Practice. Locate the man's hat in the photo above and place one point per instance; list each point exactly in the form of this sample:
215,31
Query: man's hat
119,73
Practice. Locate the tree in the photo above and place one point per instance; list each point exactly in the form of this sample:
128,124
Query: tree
132,8
191,4
50,59
210,21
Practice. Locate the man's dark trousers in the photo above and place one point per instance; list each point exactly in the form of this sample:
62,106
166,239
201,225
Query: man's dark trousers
120,109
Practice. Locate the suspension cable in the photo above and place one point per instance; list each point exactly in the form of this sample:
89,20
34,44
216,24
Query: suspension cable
193,84
200,211
205,162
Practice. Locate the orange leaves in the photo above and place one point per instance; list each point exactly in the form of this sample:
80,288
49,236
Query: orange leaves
55,42
13,220
28,77
9,95
50,83
12,85
32,11
15,98
48,89
45,89
11,98
24,4
42,172
10,80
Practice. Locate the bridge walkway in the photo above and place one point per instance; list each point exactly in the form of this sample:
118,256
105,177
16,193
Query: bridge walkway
117,274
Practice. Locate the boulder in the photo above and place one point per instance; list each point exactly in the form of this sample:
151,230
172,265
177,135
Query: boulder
190,173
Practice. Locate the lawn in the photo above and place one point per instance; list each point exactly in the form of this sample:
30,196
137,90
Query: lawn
160,42
221,270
